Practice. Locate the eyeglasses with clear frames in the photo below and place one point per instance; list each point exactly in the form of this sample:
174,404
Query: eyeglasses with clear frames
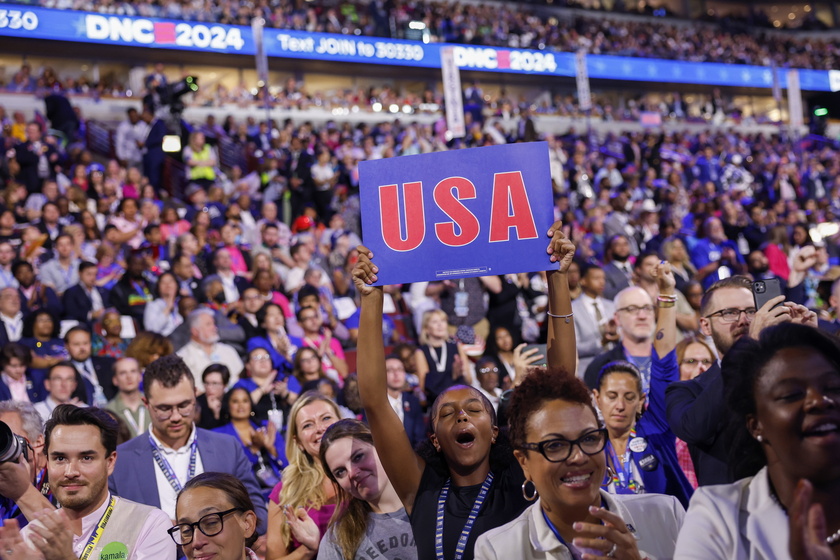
211,525
559,449
636,309
731,315
693,362
164,411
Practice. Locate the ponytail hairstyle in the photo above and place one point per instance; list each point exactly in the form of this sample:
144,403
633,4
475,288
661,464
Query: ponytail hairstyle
350,519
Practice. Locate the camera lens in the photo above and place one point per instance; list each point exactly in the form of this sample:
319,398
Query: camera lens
10,444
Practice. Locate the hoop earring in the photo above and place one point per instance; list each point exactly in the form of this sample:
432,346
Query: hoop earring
525,495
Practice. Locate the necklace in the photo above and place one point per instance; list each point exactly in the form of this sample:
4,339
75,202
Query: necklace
440,364
830,540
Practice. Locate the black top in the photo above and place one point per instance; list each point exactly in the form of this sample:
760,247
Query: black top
503,504
439,381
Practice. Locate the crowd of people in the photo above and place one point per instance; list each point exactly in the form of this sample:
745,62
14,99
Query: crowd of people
256,396
496,24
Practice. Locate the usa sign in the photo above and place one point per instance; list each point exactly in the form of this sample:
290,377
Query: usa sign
475,212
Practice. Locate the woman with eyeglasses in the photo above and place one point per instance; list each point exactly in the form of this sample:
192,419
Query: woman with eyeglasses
560,443
216,519
694,357
369,512
641,448
464,481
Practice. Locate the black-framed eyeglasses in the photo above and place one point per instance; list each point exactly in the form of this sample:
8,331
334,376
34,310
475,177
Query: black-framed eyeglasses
559,449
731,315
211,525
164,412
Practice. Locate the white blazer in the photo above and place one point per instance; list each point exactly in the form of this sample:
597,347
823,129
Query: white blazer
654,519
735,521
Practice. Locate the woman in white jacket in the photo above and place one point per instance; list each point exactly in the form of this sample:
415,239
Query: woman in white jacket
784,391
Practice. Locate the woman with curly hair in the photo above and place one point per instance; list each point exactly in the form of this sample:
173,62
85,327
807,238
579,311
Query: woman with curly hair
147,347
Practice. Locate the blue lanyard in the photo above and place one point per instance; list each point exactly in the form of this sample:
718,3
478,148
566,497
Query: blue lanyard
465,533
623,479
166,468
572,550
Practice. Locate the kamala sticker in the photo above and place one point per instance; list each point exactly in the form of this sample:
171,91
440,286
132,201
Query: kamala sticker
638,444
114,551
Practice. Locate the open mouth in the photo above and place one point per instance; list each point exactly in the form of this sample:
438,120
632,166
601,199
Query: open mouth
465,439
822,430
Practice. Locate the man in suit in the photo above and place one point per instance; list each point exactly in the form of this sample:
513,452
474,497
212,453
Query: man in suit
188,285
594,330
154,466
696,408
153,156
404,403
617,269
97,372
36,159
33,294
833,326
636,319
85,302
11,317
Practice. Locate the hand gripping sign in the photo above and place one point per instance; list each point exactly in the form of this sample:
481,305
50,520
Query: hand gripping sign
444,215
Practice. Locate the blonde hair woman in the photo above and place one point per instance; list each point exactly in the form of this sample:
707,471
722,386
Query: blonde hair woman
441,363
300,507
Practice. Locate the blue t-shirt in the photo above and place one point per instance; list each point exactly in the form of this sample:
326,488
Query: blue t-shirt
706,252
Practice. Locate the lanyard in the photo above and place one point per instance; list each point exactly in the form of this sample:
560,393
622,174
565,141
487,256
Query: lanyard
166,468
97,533
572,550
622,475
465,533
136,425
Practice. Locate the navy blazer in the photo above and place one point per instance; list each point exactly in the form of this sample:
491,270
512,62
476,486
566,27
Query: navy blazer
77,304
134,475
34,387
697,414
103,367
413,420
667,477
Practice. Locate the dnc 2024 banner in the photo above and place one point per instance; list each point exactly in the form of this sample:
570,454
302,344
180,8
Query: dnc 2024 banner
475,212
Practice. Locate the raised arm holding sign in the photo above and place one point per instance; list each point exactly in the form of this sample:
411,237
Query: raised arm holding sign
457,214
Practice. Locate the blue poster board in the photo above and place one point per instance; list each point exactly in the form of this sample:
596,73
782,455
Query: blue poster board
444,215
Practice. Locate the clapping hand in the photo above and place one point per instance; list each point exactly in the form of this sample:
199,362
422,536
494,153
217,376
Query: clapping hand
303,528
807,526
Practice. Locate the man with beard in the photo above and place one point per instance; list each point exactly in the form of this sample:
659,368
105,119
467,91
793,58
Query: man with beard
80,444
635,316
617,268
204,348
132,292
696,408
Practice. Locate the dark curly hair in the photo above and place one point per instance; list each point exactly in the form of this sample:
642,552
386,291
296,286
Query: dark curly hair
542,385
741,370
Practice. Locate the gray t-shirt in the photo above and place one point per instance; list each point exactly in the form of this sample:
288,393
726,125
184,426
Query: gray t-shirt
388,537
